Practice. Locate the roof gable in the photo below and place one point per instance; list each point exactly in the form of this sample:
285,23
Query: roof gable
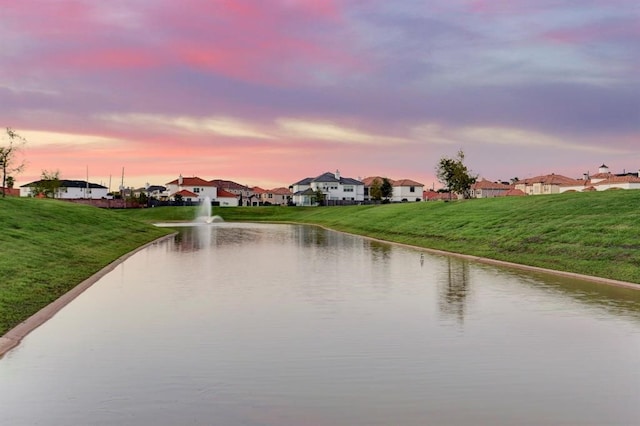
185,193
225,194
228,184
487,184
406,182
280,191
326,177
191,181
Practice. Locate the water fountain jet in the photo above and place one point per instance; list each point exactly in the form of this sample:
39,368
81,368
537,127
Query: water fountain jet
204,212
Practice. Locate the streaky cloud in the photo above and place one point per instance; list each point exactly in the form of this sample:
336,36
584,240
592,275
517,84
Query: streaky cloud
328,131
223,126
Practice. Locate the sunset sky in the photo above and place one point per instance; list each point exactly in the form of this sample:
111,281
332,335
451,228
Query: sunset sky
268,92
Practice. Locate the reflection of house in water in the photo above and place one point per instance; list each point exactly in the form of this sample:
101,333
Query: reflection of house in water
454,288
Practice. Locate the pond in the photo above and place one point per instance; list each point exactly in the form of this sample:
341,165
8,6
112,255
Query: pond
259,324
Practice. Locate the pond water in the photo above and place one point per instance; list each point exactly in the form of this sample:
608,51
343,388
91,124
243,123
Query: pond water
255,324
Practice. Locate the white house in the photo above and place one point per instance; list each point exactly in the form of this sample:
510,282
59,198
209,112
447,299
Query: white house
227,199
69,190
403,190
197,189
334,187
605,180
246,196
406,190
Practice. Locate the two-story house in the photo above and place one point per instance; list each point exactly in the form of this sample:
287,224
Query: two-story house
245,194
407,190
276,197
486,189
335,188
403,190
192,189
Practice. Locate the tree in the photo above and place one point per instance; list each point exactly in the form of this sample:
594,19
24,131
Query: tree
10,182
386,189
49,184
453,173
8,161
319,197
375,190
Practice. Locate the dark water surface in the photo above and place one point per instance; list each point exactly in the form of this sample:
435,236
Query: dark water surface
253,324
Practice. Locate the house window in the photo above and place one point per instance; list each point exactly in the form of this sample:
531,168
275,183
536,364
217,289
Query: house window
348,189
270,195
412,189
196,190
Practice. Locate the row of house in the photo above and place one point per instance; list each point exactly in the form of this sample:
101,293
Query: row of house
557,184
335,188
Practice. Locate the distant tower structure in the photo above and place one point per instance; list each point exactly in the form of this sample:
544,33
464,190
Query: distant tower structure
603,169
338,174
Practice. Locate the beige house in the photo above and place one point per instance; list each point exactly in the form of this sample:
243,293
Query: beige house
487,189
547,184
605,180
277,196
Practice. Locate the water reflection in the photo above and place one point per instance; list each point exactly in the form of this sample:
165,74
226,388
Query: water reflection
454,288
380,252
255,324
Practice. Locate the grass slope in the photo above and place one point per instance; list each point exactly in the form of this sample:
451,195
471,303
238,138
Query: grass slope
595,233
48,247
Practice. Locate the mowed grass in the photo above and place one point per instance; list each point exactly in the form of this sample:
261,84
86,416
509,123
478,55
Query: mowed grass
595,233
48,247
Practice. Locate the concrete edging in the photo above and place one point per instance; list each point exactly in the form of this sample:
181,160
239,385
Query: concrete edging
590,278
14,336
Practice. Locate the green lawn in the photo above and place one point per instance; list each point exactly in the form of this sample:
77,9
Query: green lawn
48,247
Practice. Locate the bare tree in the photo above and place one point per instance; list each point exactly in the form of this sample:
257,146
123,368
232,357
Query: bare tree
8,161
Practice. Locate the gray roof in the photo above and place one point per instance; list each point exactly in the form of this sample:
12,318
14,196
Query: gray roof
326,177
65,183
305,181
307,191
329,177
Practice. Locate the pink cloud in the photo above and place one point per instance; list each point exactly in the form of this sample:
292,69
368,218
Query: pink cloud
595,32
262,42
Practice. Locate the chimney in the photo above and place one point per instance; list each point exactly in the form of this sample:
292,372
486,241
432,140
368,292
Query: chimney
337,174
180,180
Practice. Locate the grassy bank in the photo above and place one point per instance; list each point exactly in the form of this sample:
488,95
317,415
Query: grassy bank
48,247
588,233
